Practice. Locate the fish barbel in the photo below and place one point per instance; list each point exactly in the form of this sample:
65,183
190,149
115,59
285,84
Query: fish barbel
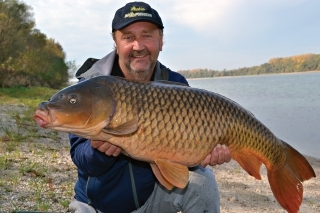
173,127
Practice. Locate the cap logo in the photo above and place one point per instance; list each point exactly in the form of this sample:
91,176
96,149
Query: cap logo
134,12
134,8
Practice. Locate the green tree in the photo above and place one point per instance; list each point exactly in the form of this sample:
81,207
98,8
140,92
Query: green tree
15,22
27,56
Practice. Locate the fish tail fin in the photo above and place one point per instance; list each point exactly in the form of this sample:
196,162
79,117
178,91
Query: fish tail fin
286,181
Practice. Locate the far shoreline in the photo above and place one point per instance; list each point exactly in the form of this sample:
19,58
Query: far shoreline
237,76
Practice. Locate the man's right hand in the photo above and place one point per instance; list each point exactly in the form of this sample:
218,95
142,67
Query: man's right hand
106,147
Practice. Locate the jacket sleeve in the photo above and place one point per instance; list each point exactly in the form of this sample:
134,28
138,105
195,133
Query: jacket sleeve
89,160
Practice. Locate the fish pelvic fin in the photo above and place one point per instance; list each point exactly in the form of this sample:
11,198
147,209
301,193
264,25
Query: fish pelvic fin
160,178
249,163
286,181
171,174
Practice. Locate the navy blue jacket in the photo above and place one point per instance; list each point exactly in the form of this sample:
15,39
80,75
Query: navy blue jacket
104,181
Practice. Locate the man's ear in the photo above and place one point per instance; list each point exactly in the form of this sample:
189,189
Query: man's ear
113,34
161,44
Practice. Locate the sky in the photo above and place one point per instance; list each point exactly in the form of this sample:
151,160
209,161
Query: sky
212,34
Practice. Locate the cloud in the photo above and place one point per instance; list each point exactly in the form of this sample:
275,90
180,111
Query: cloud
79,26
200,16
230,30
228,19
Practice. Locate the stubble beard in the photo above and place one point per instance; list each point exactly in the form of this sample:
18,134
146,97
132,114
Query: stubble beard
140,74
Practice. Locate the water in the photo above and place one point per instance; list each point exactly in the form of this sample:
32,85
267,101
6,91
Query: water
288,104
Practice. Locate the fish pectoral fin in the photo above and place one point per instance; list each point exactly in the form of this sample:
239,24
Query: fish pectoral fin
176,174
160,178
124,129
249,163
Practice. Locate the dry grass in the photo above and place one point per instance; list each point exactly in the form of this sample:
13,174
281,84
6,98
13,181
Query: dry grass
35,167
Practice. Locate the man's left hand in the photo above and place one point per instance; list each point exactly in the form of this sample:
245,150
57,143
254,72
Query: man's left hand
219,155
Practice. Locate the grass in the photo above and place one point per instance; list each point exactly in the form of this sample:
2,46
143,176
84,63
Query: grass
36,171
30,97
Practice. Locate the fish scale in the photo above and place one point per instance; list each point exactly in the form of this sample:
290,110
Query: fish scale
174,127
208,126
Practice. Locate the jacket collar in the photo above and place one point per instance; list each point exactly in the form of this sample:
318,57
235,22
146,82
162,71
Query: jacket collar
104,67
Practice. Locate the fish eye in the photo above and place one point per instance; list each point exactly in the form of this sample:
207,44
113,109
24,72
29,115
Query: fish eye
72,100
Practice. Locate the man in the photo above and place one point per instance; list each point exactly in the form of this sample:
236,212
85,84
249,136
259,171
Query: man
109,181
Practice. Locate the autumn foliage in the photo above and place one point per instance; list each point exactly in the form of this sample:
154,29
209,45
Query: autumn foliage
299,63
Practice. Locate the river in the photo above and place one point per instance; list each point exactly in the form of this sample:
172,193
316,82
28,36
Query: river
288,104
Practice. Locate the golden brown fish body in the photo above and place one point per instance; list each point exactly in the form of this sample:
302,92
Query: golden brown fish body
174,127
183,126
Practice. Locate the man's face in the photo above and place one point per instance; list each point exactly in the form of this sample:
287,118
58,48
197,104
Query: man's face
138,46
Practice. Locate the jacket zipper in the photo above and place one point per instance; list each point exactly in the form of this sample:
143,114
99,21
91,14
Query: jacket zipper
134,190
89,201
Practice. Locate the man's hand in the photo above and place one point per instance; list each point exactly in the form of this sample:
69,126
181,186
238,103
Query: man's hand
219,155
106,147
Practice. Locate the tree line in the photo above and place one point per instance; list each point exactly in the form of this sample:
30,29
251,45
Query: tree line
299,63
27,56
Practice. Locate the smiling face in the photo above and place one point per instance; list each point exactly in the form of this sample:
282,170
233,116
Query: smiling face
138,46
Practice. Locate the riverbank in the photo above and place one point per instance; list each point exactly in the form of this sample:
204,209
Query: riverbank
239,76
37,173
240,192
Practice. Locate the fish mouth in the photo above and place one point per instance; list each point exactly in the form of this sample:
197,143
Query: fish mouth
41,117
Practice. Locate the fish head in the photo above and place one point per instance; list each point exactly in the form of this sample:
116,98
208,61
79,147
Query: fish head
84,109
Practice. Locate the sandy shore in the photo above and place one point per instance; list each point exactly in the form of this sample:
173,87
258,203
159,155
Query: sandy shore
239,192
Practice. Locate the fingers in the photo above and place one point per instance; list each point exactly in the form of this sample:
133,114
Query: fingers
206,161
106,147
222,154
113,151
227,154
96,144
219,155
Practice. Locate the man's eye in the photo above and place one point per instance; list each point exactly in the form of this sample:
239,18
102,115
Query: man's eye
128,38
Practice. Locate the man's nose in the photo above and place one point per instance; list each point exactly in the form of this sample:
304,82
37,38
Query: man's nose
138,45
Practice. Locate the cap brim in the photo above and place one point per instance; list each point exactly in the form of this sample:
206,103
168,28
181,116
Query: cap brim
123,25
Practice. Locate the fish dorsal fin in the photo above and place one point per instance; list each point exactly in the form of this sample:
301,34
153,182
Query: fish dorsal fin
170,83
160,178
249,163
176,174
124,129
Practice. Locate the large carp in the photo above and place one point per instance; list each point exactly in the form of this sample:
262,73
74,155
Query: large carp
174,127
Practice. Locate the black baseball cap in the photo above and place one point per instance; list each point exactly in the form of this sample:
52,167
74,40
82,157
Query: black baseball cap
134,12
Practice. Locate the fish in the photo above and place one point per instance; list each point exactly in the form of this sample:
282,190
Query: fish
173,127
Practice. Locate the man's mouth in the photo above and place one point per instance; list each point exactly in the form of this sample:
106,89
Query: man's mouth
140,54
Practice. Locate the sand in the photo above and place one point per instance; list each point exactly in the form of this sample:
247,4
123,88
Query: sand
239,192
